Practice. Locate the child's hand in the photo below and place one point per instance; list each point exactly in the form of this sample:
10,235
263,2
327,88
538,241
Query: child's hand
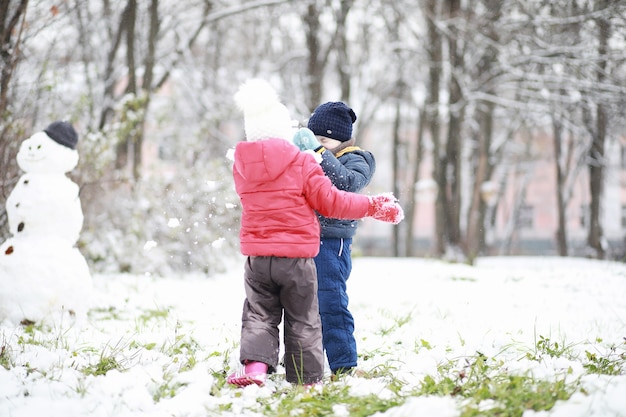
385,207
305,140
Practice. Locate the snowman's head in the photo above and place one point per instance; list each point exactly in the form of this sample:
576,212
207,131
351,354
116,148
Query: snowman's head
41,154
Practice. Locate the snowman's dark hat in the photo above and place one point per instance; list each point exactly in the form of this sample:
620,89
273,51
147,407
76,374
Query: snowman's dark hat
62,133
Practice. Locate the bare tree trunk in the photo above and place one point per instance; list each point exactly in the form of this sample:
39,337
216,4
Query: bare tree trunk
11,26
411,204
396,168
399,149
146,87
129,149
343,61
131,18
595,237
109,81
476,224
123,147
434,51
315,62
11,36
452,160
561,231
476,212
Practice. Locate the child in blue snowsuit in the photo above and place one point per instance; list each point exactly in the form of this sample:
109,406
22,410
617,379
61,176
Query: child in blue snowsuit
349,168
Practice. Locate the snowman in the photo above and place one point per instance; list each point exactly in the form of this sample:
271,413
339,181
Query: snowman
42,273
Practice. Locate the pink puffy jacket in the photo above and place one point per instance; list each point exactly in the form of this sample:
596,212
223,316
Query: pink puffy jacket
279,187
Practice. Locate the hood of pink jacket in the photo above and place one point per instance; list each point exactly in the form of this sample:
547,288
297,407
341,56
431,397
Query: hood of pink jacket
264,160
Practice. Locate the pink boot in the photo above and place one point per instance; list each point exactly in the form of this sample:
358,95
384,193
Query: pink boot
251,373
313,385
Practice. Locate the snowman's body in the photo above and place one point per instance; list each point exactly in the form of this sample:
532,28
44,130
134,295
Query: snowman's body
62,214
40,278
41,272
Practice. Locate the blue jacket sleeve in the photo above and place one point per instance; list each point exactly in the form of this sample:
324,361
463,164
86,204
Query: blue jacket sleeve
350,172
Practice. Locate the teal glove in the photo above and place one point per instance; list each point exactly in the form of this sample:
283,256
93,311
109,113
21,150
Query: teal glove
305,140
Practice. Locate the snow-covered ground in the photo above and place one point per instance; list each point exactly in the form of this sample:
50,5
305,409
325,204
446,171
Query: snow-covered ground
157,346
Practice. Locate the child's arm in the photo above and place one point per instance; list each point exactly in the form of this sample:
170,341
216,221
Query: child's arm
329,201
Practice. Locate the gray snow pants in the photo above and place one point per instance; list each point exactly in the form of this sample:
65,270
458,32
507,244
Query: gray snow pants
275,285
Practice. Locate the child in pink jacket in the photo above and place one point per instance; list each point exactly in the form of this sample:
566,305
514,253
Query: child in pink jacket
280,188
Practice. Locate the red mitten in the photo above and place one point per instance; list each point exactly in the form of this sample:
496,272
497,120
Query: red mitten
384,207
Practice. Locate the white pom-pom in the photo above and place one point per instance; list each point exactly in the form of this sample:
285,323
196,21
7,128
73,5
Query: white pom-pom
256,96
264,115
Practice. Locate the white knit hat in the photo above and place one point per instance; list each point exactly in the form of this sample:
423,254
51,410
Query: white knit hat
264,115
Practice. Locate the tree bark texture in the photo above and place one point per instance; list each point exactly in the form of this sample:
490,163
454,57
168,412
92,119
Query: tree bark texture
597,151
561,231
435,55
454,144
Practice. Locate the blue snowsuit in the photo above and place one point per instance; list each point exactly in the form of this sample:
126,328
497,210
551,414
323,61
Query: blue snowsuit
351,169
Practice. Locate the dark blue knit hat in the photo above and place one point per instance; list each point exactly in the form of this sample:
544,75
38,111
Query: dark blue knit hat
333,120
62,133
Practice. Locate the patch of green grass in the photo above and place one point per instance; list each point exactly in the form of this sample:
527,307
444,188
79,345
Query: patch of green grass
30,335
423,344
512,395
147,346
154,314
544,346
490,390
612,363
38,334
183,351
111,357
168,389
330,400
104,365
